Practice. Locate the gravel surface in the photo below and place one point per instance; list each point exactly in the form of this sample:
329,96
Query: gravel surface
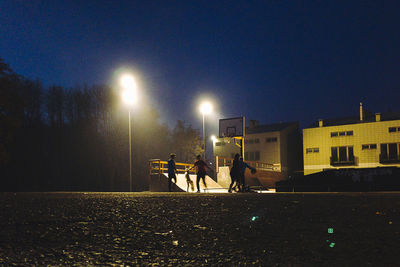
282,229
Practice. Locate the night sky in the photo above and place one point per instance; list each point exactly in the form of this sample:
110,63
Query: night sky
268,60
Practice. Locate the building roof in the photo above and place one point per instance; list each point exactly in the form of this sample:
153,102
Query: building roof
276,127
369,117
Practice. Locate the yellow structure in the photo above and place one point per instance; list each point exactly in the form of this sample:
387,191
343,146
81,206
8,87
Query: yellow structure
367,141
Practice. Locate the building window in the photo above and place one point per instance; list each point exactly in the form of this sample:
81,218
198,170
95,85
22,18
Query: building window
392,129
251,156
251,141
312,150
345,133
271,139
257,155
370,146
256,140
219,143
390,153
342,155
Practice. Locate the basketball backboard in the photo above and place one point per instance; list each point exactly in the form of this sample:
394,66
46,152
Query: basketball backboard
232,127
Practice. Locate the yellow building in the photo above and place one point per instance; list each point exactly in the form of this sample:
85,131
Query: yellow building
367,141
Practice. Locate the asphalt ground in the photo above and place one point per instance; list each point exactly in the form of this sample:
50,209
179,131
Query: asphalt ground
282,229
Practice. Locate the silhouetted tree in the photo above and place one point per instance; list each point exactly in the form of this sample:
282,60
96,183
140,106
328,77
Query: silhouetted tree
186,142
77,138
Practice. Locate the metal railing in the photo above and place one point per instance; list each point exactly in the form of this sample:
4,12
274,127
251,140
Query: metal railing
223,161
387,159
157,167
337,162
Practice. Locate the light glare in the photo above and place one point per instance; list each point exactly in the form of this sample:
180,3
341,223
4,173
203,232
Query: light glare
128,82
205,108
129,97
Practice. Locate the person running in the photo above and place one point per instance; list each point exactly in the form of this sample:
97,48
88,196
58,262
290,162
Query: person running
235,173
200,166
171,170
243,166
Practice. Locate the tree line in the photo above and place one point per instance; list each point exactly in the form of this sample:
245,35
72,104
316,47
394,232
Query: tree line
60,138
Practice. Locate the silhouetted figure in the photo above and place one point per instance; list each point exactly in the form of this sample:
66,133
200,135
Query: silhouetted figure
189,181
235,173
243,166
171,170
200,166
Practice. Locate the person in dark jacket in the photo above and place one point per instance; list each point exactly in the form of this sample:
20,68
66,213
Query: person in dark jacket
200,166
235,173
171,170
243,166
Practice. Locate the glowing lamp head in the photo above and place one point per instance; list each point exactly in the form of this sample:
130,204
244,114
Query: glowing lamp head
128,82
129,96
213,138
205,108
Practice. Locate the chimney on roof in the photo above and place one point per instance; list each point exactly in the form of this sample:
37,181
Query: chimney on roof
361,112
320,123
253,124
377,116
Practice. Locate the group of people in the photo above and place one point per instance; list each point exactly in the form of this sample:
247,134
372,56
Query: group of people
201,171
237,172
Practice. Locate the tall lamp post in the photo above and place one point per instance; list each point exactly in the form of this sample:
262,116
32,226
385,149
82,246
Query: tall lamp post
129,96
205,109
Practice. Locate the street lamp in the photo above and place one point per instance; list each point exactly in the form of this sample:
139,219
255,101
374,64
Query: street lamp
205,109
129,97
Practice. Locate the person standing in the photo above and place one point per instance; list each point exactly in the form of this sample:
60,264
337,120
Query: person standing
200,166
235,173
171,170
243,166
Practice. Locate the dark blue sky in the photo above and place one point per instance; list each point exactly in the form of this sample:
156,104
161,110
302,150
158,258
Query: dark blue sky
268,60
